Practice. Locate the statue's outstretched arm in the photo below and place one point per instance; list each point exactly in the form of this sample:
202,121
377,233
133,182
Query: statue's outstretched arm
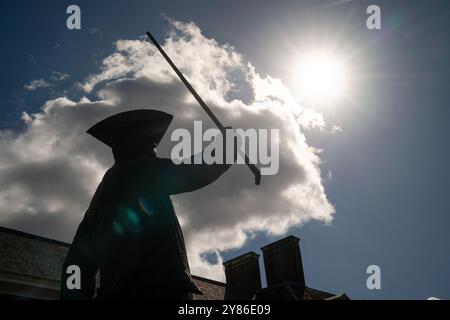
191,177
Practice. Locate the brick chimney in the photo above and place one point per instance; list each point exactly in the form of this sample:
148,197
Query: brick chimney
242,277
283,261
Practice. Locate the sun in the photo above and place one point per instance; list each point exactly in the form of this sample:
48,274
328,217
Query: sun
321,77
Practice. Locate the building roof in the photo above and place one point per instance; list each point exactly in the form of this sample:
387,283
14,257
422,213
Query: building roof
27,258
24,254
27,254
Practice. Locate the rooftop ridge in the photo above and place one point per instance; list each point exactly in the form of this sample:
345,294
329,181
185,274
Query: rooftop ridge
209,280
33,236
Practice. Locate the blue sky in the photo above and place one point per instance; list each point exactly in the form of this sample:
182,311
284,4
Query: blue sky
389,163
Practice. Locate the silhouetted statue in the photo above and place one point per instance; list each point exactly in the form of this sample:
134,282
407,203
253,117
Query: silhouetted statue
130,232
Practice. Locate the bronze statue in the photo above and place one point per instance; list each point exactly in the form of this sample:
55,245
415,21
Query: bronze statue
130,232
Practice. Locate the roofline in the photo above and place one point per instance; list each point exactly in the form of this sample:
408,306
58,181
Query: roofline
209,280
65,244
320,291
33,236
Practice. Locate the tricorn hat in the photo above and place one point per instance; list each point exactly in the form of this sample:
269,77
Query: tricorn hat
124,127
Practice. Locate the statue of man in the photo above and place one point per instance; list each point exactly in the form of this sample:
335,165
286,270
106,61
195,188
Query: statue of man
130,232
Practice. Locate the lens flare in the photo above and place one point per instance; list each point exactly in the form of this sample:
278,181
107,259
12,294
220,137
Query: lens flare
129,220
146,205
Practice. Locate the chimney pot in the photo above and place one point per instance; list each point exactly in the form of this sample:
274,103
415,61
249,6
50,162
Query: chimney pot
283,261
242,276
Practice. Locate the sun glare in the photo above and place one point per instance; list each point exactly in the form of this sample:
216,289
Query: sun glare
321,77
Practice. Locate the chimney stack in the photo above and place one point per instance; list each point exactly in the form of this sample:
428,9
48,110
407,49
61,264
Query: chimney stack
242,277
283,261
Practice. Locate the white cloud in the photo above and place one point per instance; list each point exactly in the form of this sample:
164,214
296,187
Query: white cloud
48,172
59,76
336,129
336,3
41,83
35,84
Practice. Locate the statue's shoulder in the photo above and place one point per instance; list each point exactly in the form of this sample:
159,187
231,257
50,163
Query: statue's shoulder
143,162
154,161
165,161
